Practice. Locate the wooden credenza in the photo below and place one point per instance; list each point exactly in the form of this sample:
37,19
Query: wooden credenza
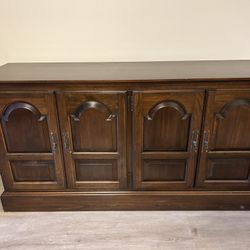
125,136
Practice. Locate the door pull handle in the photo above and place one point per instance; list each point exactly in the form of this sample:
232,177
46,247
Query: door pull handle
66,143
195,140
54,141
206,141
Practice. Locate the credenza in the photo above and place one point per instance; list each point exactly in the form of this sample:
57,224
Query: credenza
125,136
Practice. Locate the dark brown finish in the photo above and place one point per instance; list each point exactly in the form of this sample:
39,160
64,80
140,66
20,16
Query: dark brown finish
163,170
68,201
164,126
232,105
94,105
93,128
33,170
33,133
30,149
112,136
125,71
166,104
225,153
96,170
22,105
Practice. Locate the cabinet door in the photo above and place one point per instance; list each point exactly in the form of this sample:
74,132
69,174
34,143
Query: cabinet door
167,126
29,143
93,130
225,156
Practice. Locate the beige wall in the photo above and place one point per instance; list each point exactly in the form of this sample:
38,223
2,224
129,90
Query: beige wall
123,30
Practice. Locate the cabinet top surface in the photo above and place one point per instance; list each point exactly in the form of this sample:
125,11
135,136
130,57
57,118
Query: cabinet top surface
126,71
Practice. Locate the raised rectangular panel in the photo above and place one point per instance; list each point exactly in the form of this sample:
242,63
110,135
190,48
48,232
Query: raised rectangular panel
166,132
232,131
33,171
93,133
228,169
96,170
25,132
164,170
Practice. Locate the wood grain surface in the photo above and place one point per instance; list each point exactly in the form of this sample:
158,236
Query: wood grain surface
124,71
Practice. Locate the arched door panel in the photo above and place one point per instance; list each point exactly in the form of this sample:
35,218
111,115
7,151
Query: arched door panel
93,132
231,124
30,142
25,131
94,135
166,138
225,155
170,131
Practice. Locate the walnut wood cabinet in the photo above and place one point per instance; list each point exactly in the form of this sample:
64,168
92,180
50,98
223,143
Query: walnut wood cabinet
127,136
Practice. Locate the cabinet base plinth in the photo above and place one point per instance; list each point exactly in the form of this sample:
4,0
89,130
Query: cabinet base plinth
76,201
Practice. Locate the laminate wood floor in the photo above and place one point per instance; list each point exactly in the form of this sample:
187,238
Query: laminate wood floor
126,230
